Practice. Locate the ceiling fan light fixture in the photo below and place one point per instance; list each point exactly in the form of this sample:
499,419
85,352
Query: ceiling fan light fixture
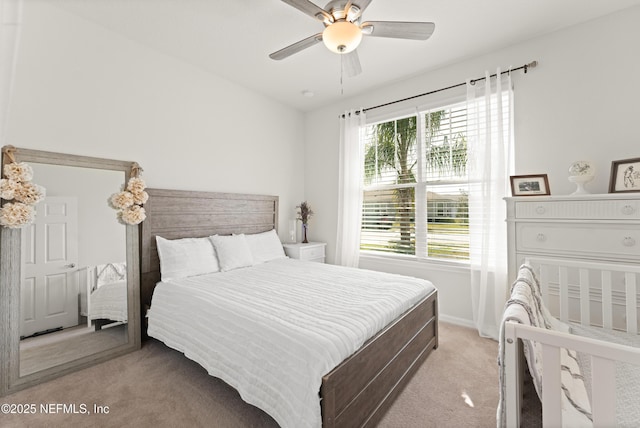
342,37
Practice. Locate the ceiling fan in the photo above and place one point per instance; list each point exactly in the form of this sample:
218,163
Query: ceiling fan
343,30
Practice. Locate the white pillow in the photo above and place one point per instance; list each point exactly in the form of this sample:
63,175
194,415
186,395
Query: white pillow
265,246
233,251
181,258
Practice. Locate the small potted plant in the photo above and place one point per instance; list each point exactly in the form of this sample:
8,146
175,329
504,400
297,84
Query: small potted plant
304,215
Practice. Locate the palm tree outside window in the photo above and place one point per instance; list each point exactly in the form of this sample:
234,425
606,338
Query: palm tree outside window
415,201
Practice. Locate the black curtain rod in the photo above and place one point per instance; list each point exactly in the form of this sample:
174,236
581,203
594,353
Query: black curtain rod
525,67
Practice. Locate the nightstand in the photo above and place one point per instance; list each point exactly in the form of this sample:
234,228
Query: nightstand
313,251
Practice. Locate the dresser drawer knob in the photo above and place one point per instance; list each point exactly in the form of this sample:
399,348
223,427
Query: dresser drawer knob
628,209
628,241
540,237
540,209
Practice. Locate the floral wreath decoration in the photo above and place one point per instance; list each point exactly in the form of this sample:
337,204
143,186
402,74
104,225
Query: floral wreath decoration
16,186
130,199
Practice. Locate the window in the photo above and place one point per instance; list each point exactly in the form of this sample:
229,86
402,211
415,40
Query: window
415,200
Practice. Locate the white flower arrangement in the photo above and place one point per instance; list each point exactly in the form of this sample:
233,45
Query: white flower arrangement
29,193
136,185
140,198
8,188
18,171
129,201
133,215
17,214
17,187
121,200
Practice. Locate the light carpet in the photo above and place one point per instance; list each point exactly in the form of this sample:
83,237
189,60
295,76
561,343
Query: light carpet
457,386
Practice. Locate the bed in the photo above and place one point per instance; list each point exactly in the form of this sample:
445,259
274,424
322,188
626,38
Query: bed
106,293
359,389
574,326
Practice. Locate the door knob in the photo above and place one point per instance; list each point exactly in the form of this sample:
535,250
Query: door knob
70,266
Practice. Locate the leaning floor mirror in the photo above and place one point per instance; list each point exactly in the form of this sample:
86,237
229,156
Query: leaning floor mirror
69,275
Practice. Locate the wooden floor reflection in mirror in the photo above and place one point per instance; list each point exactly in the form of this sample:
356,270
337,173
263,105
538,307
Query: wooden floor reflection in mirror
42,352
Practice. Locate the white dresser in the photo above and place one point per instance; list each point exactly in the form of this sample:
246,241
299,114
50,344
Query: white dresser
588,227
312,251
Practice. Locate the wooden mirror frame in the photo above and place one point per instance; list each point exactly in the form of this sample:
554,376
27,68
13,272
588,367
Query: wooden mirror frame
10,267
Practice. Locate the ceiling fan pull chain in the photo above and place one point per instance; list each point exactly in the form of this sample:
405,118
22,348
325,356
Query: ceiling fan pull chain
341,72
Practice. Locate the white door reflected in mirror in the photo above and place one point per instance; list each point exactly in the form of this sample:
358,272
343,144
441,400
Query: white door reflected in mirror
75,232
49,291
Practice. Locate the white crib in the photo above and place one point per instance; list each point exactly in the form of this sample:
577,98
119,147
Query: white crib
105,294
587,293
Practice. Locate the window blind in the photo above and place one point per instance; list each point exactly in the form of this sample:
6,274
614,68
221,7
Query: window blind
415,185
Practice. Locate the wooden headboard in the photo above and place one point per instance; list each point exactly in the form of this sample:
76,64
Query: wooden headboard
175,214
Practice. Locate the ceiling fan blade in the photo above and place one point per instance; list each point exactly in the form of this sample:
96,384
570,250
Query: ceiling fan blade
398,30
351,64
311,9
347,9
296,47
361,5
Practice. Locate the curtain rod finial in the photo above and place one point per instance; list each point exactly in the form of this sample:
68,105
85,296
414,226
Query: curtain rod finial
532,64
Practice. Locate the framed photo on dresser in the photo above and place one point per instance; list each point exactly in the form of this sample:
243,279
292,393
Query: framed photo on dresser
530,185
625,176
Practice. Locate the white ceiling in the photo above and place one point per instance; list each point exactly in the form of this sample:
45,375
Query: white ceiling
234,38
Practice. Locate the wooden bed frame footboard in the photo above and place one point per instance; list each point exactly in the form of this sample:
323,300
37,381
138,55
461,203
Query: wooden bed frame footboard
360,390
357,392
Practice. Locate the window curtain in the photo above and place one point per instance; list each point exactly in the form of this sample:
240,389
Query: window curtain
490,133
10,21
350,189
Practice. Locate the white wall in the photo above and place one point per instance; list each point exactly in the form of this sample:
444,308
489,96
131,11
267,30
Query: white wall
579,103
101,238
84,90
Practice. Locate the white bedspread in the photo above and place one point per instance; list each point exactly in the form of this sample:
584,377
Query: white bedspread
273,330
109,301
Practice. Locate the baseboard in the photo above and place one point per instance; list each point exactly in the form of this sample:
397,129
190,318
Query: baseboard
457,321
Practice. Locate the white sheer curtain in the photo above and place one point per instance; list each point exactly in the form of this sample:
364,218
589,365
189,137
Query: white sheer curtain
10,21
350,189
490,133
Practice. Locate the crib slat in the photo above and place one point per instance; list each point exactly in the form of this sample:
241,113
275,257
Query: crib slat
585,303
607,304
544,283
564,293
603,392
632,309
551,386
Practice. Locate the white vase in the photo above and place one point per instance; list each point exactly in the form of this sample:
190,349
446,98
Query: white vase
292,231
580,173
580,181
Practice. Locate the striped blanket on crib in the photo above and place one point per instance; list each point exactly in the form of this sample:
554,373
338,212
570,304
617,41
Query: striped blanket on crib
526,306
